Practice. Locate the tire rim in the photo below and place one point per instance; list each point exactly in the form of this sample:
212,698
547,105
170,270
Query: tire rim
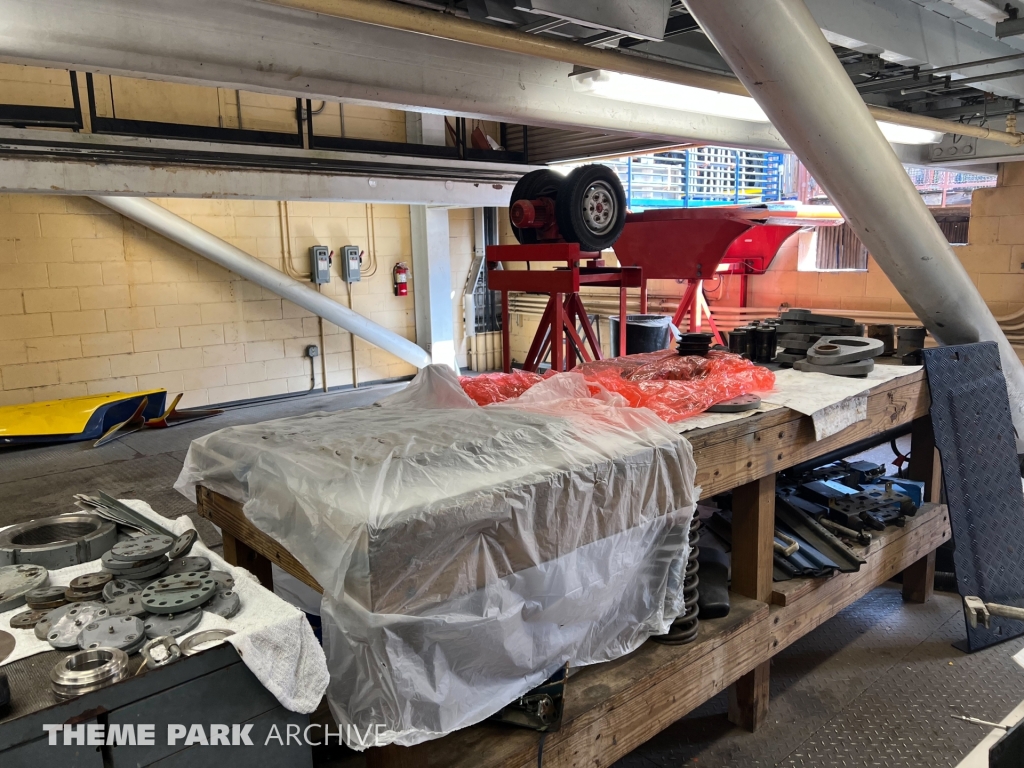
599,207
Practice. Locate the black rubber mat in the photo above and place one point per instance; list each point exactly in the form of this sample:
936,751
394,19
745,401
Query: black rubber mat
981,475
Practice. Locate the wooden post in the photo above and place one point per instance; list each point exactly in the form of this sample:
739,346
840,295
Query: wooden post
753,537
237,552
919,578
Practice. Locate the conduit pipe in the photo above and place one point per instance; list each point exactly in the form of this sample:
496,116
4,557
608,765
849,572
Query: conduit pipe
383,13
188,235
773,46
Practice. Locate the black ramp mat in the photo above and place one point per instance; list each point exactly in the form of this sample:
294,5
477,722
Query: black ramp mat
974,434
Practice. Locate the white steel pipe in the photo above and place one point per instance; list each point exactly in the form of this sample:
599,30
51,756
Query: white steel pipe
781,56
188,235
448,27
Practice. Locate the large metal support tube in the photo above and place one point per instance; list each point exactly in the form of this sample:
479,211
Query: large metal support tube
448,27
779,53
188,235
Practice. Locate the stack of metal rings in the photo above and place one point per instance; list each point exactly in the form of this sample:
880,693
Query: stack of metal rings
87,671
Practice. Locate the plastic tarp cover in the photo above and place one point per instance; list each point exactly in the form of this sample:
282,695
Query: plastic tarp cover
467,552
673,386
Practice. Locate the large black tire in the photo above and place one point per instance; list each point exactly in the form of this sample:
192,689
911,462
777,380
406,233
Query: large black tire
541,183
591,207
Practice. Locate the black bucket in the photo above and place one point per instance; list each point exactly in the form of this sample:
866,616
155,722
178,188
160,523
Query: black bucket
644,333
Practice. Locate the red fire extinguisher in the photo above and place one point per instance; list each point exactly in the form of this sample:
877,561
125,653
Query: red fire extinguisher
400,278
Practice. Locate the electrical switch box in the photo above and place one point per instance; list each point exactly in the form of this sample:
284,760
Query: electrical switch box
350,264
320,264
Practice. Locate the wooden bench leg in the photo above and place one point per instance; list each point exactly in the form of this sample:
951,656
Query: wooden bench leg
753,536
748,698
237,552
919,578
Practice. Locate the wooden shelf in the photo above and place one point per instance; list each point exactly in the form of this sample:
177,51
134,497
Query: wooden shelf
610,709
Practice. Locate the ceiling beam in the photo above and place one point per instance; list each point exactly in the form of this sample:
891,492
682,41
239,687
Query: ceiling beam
260,47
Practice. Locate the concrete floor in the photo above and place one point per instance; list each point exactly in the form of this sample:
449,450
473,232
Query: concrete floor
876,685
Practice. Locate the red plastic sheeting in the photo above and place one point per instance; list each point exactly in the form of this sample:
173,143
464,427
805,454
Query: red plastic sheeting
490,388
673,386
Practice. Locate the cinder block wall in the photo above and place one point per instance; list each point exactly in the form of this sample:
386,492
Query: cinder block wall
91,302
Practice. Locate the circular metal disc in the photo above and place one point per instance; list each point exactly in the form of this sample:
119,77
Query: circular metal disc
127,569
42,628
736,404
142,547
224,579
225,603
173,624
82,596
118,587
121,632
178,593
127,605
16,581
64,632
197,564
27,619
183,544
90,582
45,598
6,645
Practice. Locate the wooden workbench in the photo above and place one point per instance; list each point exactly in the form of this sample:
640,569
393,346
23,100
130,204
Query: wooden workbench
612,708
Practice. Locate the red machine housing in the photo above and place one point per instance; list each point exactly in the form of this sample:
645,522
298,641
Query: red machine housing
692,243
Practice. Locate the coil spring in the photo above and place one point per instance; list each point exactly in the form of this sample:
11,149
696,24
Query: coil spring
685,628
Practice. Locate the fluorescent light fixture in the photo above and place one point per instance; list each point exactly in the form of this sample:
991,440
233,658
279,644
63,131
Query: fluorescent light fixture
904,134
657,93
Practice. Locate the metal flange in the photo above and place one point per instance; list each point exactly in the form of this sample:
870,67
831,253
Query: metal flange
87,671
119,587
58,541
224,579
127,605
209,638
172,624
16,581
45,598
183,544
178,593
126,633
225,603
27,619
195,564
142,547
64,632
42,629
737,404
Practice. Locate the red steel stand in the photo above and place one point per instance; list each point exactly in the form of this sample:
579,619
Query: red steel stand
557,333
696,306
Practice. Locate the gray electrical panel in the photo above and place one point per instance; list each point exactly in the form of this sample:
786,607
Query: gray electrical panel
350,264
320,264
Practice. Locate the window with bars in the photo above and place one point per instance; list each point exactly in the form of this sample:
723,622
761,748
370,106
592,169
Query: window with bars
839,248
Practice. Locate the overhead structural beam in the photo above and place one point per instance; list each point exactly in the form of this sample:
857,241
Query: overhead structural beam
185,233
771,45
433,24
322,57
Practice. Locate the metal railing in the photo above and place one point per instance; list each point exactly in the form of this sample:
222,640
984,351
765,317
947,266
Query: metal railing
702,176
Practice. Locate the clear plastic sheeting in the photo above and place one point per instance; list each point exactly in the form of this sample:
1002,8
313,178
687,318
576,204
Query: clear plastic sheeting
467,552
